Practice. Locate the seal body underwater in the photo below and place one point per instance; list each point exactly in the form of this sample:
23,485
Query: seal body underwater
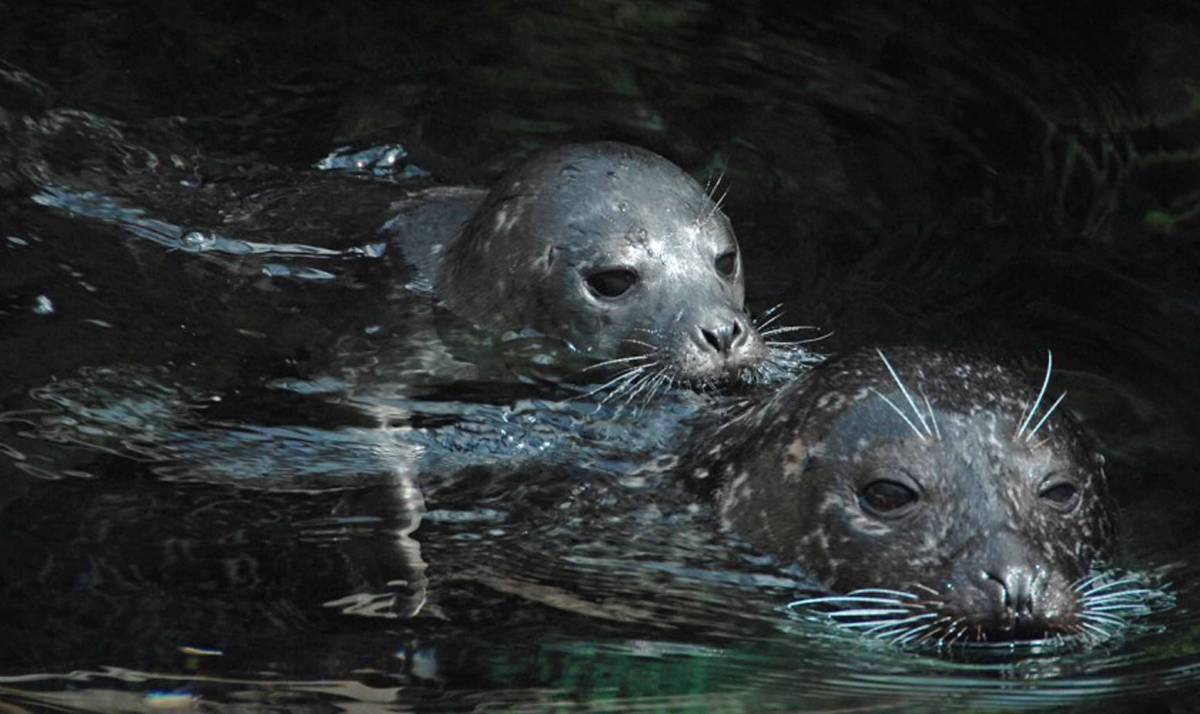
948,496
609,247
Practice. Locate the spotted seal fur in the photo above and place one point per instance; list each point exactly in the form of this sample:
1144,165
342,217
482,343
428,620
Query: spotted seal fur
938,495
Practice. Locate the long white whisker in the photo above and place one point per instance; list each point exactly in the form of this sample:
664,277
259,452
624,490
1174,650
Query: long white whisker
769,320
910,634
1109,586
1086,581
899,413
869,612
624,376
1037,402
644,382
1049,411
617,360
904,391
881,628
632,341
842,599
937,432
882,591
788,328
657,382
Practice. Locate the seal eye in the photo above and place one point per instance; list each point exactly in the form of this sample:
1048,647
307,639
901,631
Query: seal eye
1062,494
726,263
887,498
612,283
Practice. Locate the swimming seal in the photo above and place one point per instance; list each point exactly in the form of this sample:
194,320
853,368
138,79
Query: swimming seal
609,247
937,489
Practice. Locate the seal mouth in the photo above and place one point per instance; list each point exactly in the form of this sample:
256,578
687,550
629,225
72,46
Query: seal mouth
1104,606
643,377
757,353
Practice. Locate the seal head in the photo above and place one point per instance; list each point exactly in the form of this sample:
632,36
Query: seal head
614,249
941,481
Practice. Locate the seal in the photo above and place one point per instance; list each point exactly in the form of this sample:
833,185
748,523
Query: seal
607,246
935,490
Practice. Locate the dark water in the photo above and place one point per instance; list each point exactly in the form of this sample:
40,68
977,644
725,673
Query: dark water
247,464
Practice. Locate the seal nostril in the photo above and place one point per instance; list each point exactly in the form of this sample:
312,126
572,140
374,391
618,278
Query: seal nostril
726,337
1016,590
740,334
712,339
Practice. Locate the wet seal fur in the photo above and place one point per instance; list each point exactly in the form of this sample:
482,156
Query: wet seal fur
607,246
946,498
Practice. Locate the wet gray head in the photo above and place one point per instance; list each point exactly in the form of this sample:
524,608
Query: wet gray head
614,249
966,507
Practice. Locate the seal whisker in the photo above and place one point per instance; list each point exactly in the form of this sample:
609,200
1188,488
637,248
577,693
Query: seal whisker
630,340
1086,581
711,186
1131,580
781,329
716,206
869,612
899,413
1119,596
909,635
938,628
656,382
882,591
926,588
761,326
882,627
1041,393
1046,416
618,360
637,386
784,328
1130,607
1098,633
1103,618
626,376
937,432
904,391
842,600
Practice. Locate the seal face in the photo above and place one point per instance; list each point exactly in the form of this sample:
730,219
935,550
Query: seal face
614,249
942,486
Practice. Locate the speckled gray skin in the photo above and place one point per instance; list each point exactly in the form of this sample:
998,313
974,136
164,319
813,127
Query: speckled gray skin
529,255
995,523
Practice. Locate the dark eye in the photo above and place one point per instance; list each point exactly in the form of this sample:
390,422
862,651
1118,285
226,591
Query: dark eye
884,497
1061,494
727,263
612,283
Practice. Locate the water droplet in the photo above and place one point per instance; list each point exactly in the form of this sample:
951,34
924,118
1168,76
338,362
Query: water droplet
42,305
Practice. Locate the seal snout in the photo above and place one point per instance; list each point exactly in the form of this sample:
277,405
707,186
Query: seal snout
723,345
725,337
1015,601
1017,604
